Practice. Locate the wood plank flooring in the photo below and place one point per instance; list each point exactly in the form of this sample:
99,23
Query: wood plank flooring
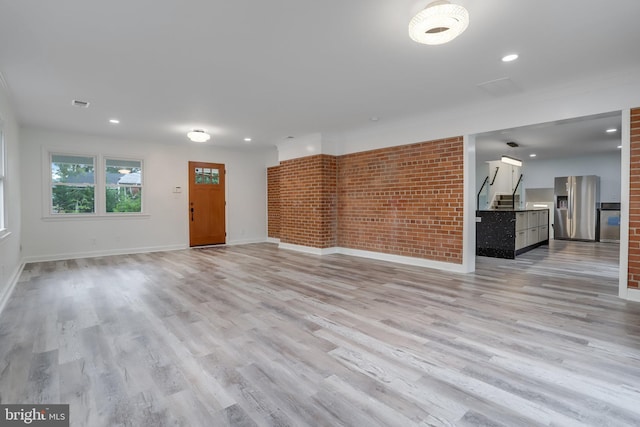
256,336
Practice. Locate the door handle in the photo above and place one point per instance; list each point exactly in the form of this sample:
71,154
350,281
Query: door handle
191,214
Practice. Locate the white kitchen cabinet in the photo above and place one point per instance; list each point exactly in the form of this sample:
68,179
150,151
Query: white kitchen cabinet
522,221
533,218
532,236
521,239
543,233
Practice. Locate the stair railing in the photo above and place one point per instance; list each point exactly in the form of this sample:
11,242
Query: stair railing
513,195
480,192
494,175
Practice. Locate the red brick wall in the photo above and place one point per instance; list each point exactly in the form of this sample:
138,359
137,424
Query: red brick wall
273,202
308,201
634,203
405,200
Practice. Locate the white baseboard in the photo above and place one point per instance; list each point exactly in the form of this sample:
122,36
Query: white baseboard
13,281
273,240
418,262
109,252
245,241
308,249
633,295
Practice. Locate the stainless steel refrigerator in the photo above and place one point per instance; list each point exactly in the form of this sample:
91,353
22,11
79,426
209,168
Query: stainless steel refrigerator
576,209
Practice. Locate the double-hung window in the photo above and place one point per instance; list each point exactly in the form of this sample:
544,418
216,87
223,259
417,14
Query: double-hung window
73,184
123,185
3,221
94,185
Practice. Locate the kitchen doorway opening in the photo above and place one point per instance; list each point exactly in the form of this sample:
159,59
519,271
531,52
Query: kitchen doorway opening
576,147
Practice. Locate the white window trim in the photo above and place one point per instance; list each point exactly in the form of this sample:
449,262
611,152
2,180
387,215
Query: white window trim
4,211
100,187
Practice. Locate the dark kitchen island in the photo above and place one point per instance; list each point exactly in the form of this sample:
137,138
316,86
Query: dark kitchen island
508,233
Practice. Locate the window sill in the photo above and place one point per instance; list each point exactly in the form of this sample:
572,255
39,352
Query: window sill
4,233
95,217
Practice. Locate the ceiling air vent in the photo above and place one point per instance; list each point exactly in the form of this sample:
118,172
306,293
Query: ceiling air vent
512,144
499,87
82,104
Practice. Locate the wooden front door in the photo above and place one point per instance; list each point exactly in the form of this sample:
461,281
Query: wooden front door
206,204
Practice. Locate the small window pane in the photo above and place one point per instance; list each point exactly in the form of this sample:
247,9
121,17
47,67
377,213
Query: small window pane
207,176
123,185
73,184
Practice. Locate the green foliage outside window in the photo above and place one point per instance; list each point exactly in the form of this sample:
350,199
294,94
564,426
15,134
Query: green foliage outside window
73,199
73,189
124,200
124,186
73,184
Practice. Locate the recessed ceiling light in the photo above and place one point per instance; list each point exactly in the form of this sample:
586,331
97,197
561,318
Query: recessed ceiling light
510,57
247,140
532,155
619,146
612,130
374,119
198,135
114,121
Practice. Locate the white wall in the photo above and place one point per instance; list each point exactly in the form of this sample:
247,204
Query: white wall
10,258
541,174
166,227
580,98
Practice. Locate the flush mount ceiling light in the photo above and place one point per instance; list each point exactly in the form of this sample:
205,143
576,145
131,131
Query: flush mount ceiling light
440,22
198,135
511,161
510,57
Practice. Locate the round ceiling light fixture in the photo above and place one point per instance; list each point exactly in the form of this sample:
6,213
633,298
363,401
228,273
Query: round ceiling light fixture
198,135
438,23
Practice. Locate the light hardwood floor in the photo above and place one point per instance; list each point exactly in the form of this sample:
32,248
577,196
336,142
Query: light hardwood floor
253,335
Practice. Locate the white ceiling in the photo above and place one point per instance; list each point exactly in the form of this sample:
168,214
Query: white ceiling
271,69
554,140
